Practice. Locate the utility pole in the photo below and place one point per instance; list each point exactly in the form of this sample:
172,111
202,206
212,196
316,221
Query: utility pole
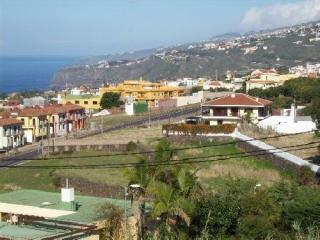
149,116
125,212
101,124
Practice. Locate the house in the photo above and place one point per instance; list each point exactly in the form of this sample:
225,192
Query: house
11,134
267,80
233,108
57,120
33,214
34,123
90,102
75,117
288,123
217,84
49,121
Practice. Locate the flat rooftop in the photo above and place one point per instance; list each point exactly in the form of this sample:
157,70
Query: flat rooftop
87,212
22,232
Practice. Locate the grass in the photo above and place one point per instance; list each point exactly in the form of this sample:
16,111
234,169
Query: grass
213,175
42,179
114,119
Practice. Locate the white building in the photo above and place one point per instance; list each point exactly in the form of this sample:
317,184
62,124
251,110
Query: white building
11,133
35,101
289,124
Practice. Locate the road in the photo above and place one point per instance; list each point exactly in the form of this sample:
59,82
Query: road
32,152
185,111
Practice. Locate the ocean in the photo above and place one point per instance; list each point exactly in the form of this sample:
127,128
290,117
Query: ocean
30,73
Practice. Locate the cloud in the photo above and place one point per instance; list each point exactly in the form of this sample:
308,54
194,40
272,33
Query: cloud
280,15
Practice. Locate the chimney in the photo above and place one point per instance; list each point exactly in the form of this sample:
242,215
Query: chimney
257,99
233,95
293,112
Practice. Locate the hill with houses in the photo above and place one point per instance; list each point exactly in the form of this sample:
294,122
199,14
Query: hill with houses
237,53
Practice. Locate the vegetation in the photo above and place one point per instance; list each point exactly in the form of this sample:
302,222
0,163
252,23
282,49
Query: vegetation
242,209
112,221
189,129
110,100
200,62
196,89
302,91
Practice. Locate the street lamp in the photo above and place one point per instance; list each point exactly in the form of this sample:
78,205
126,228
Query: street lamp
256,186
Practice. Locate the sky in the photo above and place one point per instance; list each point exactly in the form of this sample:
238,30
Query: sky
99,27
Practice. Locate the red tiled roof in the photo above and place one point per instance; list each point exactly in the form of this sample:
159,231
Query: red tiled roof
71,107
9,121
238,99
49,109
53,109
32,112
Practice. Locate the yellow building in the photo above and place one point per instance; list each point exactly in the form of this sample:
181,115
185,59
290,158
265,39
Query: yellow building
142,90
88,102
34,124
269,80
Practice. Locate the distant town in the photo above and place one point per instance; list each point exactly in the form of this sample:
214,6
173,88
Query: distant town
194,152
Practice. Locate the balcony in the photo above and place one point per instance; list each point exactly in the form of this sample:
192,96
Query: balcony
221,113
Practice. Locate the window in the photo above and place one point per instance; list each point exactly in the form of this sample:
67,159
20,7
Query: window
95,102
85,102
76,102
33,122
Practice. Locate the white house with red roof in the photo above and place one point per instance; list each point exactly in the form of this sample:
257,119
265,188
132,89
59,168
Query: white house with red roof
233,108
11,133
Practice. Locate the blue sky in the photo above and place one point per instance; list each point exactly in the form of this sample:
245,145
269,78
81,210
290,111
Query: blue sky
94,27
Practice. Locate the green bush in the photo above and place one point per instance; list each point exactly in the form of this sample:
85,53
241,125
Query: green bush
218,214
190,129
110,100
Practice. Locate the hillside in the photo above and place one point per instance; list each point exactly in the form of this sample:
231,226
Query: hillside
291,46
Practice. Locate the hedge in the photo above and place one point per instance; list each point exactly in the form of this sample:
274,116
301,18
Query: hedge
190,129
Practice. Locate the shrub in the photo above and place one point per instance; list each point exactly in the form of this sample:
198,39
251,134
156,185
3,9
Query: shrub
217,214
189,129
56,181
306,176
132,146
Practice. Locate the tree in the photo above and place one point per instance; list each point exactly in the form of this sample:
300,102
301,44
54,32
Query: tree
315,111
109,100
111,217
173,208
196,89
140,175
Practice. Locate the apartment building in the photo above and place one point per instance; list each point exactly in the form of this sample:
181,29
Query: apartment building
141,90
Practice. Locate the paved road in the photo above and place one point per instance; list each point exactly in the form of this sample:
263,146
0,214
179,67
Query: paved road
19,158
185,111
32,151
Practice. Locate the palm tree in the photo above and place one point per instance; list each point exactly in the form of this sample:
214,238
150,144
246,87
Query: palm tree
172,208
139,178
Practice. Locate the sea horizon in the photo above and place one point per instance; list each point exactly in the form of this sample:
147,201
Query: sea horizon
25,73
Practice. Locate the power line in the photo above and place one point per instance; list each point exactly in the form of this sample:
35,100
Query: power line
166,150
171,162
